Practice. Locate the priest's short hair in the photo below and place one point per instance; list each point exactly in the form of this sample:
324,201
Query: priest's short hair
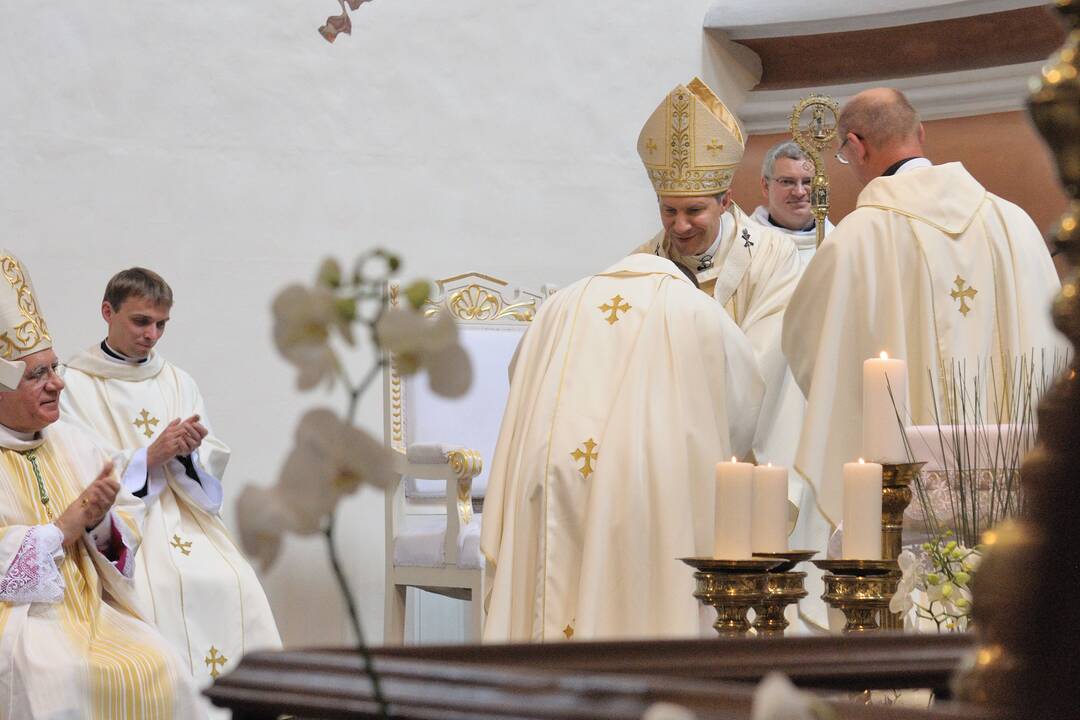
138,282
882,116
787,149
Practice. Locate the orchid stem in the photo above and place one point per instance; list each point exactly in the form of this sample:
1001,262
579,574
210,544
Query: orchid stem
354,617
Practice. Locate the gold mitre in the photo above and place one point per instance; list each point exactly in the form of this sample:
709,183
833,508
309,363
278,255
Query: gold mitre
22,329
692,143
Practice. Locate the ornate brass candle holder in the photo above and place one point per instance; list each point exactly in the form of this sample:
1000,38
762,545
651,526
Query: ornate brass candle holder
783,588
732,587
896,481
861,589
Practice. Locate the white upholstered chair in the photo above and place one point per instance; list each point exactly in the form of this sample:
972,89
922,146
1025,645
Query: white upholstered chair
443,449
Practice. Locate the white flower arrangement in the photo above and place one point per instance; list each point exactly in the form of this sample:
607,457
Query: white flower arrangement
936,583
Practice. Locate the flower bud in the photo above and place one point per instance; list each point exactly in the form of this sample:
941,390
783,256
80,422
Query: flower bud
329,273
418,293
947,590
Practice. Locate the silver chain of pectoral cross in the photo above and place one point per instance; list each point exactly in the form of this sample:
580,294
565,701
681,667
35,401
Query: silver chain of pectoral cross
42,492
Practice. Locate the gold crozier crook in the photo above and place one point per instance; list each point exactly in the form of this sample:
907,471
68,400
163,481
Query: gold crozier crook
813,136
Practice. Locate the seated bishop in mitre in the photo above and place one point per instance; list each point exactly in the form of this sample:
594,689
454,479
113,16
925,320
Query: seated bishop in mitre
72,639
625,391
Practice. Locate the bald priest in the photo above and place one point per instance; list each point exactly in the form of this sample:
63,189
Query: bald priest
72,639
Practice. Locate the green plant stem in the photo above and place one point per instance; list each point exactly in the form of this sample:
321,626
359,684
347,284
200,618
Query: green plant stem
354,617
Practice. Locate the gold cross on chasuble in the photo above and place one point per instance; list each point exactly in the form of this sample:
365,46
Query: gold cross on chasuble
179,544
588,456
616,306
145,422
963,294
213,660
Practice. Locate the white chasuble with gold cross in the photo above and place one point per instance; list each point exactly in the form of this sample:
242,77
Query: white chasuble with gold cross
72,640
624,392
752,275
193,581
930,268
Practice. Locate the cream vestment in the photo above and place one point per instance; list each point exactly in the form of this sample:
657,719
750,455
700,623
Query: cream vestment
626,390
931,268
193,581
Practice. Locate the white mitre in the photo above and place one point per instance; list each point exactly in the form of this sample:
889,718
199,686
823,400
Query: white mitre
22,329
692,143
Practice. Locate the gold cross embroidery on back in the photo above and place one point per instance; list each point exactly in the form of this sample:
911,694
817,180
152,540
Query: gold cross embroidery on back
144,422
588,456
715,145
616,306
213,660
181,545
963,294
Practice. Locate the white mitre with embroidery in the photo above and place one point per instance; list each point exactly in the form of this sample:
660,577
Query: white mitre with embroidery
692,143
22,328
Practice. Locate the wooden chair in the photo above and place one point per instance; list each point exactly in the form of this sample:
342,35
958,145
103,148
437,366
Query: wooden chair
433,512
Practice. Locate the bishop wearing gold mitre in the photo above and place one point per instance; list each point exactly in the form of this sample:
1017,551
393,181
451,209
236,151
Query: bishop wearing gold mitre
625,391
72,639
691,146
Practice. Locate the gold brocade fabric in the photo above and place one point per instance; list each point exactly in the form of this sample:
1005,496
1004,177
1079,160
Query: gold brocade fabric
692,143
22,328
100,659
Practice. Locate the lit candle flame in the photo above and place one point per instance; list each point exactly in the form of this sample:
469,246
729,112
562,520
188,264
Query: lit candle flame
861,461
884,355
733,459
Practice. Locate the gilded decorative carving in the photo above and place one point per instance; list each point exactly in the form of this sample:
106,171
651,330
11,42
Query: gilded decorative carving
32,331
466,464
474,302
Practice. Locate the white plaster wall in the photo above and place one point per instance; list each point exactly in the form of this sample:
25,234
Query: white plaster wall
228,146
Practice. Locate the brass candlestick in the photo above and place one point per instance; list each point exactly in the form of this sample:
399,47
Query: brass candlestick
732,587
861,589
813,136
784,587
896,482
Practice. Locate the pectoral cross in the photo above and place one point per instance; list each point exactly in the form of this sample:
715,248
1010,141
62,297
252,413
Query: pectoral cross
747,242
963,294
614,308
146,422
179,544
213,660
588,456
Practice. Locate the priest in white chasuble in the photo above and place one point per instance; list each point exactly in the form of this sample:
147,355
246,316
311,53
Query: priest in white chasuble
71,637
626,390
929,267
193,582
691,146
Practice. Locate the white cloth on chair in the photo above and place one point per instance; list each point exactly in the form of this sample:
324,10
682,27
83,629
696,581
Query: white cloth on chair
424,546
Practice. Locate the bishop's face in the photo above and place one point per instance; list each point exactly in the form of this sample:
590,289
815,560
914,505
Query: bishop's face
35,404
692,223
136,326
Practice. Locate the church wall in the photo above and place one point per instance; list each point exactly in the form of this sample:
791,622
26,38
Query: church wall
1002,150
228,146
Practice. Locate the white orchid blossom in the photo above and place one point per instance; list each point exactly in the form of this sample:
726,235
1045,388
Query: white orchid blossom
432,345
936,582
303,318
330,460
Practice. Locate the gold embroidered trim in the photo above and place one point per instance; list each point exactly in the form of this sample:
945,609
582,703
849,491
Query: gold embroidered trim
32,331
680,176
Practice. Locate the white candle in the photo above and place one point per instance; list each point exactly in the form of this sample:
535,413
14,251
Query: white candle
770,516
734,506
884,381
862,511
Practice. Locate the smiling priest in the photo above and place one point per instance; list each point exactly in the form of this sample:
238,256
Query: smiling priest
71,637
193,581
625,391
